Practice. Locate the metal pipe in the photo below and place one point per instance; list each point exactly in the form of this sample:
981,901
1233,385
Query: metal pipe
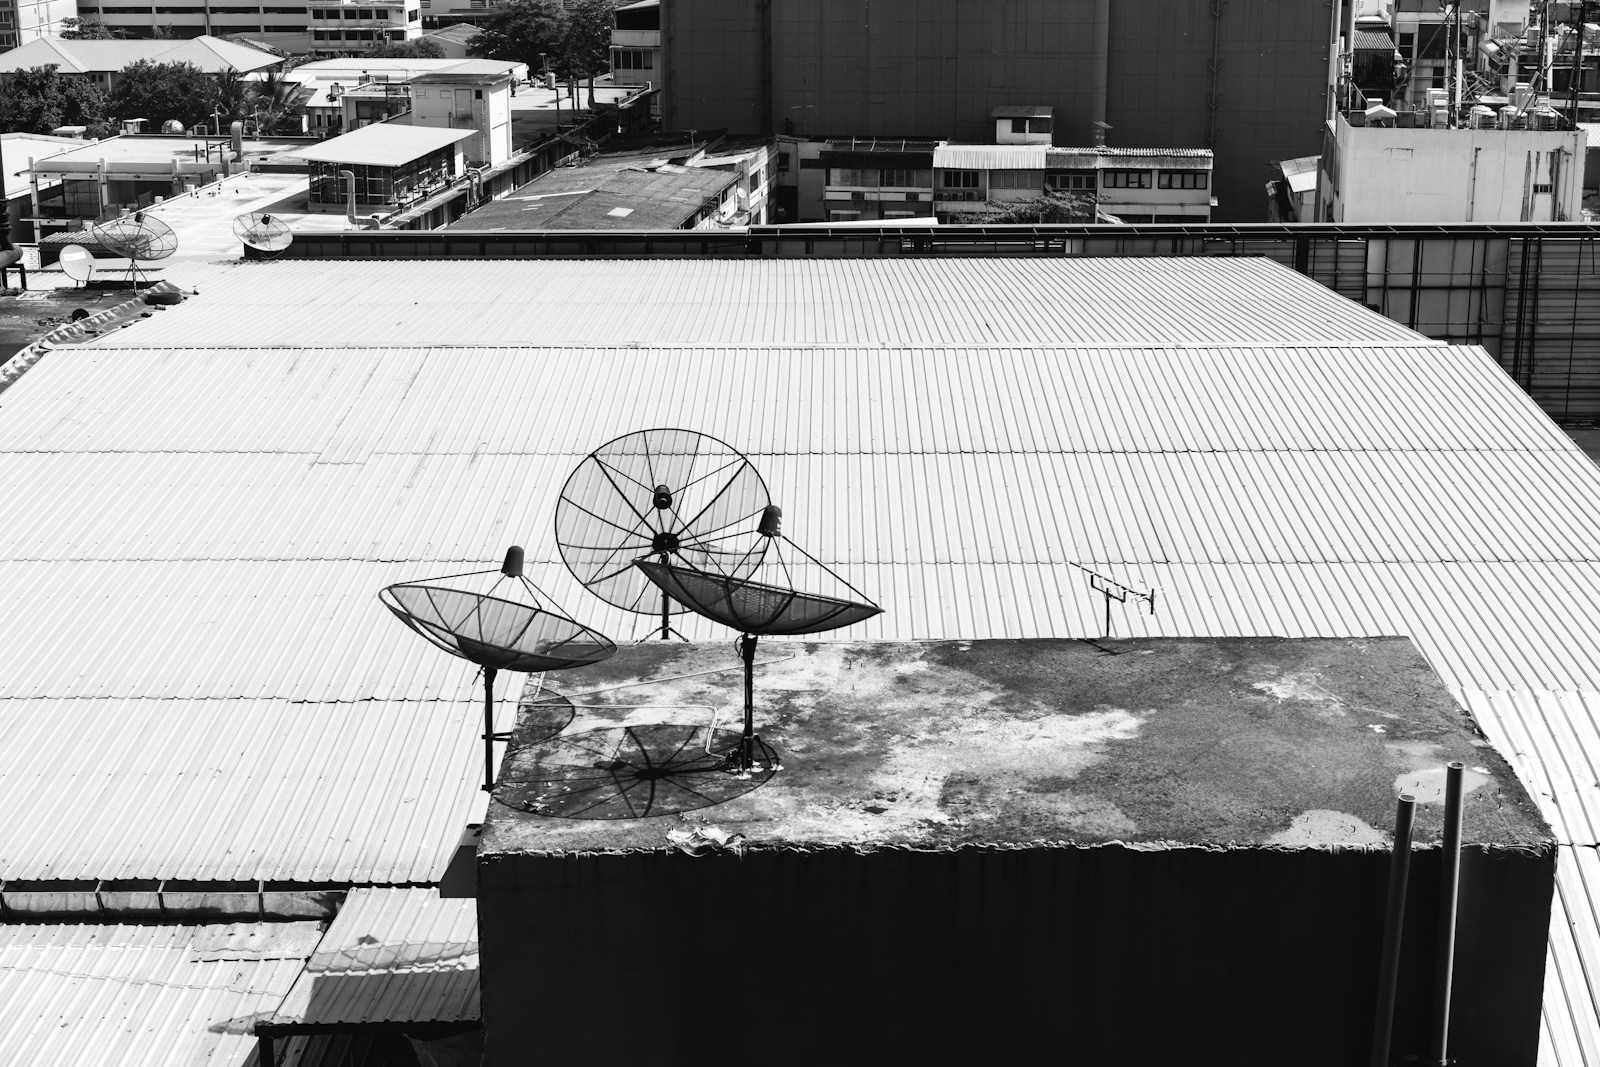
747,745
488,729
1449,893
348,177
1393,928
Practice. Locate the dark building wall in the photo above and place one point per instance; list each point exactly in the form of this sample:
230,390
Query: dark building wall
1091,955
935,68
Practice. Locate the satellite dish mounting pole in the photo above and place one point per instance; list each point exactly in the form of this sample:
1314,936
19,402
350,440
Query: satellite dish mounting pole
747,742
488,729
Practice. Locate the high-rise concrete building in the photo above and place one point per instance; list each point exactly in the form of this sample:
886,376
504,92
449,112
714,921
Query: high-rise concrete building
25,20
1247,79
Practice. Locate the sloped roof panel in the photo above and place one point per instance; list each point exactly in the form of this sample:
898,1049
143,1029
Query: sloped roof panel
391,955
698,302
130,996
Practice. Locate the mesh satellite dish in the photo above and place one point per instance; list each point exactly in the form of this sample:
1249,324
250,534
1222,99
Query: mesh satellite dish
666,493
500,621
776,596
138,238
262,233
76,262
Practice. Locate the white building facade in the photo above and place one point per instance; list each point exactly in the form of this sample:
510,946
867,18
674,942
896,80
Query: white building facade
27,20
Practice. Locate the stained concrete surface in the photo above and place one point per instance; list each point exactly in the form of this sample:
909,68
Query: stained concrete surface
1274,742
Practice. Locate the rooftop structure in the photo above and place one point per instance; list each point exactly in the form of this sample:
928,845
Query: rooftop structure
1062,813
230,482
664,187
103,60
392,165
392,959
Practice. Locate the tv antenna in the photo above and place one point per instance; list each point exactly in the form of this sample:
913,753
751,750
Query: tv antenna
1112,589
263,234
735,598
76,262
138,238
472,616
663,493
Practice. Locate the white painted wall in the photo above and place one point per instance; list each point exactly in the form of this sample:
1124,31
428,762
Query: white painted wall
448,103
1442,175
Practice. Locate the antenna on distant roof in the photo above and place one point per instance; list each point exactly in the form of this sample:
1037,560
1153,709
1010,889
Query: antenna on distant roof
473,618
1112,589
664,493
776,605
138,238
263,234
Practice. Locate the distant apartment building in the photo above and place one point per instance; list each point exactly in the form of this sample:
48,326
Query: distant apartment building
870,179
27,20
1130,185
636,49
276,22
339,26
440,13
1247,78
1391,174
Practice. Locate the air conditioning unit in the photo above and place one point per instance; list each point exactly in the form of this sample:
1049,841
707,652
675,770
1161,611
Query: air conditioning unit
913,197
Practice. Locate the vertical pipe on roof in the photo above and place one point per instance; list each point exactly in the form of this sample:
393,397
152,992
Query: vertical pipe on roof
1100,36
1393,927
1449,891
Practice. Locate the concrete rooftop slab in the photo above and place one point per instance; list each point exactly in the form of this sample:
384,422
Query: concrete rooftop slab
944,745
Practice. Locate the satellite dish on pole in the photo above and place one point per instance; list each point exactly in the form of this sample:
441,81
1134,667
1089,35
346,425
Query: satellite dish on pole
500,621
138,238
773,597
668,494
77,262
262,234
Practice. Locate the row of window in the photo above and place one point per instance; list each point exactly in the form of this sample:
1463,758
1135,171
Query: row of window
633,59
353,35
367,13
880,177
1108,179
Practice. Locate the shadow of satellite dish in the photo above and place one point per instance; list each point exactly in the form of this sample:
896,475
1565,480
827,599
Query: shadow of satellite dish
628,772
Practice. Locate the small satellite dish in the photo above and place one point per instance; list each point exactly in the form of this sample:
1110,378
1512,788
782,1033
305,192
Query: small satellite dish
500,621
262,233
773,597
666,493
138,238
77,262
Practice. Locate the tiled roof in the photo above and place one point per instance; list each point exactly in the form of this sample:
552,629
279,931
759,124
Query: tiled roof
130,996
391,956
211,54
699,302
991,156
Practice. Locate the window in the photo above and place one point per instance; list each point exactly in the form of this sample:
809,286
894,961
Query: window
1015,179
413,15
632,59
959,179
904,178
1070,179
1183,179
843,216
382,13
1125,179
860,177
1019,125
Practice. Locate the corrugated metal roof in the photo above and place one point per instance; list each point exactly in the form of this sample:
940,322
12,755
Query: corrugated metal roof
126,996
991,156
953,435
392,955
791,302
382,144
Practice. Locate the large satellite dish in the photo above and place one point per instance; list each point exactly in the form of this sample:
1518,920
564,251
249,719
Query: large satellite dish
138,238
500,621
674,495
76,262
776,596
262,233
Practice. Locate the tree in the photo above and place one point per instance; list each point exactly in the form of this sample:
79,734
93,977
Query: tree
589,26
522,32
421,48
162,91
277,104
1050,207
39,100
85,30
